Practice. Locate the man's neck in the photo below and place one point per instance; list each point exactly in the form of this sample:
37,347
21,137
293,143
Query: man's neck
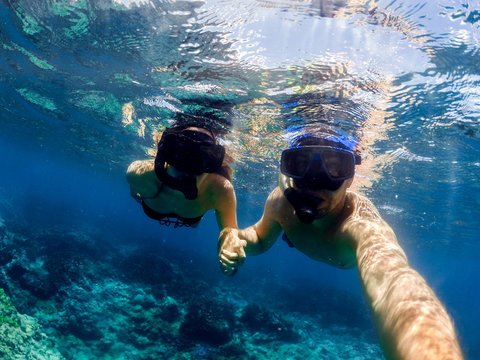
333,218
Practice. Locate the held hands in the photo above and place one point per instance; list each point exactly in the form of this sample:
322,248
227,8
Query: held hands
231,253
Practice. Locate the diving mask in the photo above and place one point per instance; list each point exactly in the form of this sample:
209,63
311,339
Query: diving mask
319,167
190,152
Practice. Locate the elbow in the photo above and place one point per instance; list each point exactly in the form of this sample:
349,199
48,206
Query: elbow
256,247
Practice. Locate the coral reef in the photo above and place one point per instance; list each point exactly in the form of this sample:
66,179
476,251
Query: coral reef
81,298
208,321
21,336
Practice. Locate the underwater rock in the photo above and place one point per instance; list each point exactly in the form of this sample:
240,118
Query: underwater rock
234,350
169,310
84,328
38,281
259,319
334,306
146,267
208,321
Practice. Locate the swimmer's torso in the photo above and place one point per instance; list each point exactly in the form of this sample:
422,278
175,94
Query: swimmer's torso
146,186
173,201
321,242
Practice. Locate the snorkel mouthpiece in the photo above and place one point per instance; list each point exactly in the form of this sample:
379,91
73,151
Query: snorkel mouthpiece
305,207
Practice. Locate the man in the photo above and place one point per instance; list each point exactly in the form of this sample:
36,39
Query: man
324,220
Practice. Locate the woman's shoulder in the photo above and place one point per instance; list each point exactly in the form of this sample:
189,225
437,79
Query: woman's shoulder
140,167
141,173
218,183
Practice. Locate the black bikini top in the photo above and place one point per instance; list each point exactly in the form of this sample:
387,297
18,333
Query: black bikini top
170,218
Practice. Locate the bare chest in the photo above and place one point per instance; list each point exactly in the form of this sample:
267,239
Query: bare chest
322,244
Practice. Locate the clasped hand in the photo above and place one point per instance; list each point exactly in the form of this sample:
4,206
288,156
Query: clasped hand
231,253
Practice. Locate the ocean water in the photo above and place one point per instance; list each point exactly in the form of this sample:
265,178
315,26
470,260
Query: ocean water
86,84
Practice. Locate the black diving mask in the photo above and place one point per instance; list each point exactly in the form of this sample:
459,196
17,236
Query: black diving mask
191,153
319,167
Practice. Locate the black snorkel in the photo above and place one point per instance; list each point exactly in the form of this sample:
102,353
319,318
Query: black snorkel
305,206
187,183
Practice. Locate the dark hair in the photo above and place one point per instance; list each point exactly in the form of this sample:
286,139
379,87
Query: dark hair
206,119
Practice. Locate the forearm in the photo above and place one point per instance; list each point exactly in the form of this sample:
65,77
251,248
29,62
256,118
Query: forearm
254,242
411,321
222,196
414,322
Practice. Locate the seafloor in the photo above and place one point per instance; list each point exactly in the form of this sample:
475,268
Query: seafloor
65,294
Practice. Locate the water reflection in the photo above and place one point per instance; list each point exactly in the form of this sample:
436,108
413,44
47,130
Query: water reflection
101,79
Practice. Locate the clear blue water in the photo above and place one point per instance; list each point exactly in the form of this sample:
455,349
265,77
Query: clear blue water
85,85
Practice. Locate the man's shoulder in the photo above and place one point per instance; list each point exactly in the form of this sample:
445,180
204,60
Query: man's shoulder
358,198
277,204
362,207
365,221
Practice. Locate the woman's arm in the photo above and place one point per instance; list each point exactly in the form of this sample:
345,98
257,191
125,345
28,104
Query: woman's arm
410,319
224,203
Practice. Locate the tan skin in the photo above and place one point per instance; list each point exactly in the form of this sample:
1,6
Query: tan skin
411,321
214,192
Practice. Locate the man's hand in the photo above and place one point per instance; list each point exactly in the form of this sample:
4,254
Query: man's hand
231,253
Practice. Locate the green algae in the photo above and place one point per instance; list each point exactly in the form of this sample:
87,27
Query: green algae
8,313
37,99
101,103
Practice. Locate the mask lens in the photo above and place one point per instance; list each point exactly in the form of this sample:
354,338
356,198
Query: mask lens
318,183
295,162
339,164
318,167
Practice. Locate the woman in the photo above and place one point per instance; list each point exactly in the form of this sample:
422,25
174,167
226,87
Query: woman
188,177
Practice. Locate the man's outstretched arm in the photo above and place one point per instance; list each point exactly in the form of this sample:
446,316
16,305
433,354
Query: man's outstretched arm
233,244
411,321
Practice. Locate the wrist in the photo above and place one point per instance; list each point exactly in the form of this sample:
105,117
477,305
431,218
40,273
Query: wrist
228,231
